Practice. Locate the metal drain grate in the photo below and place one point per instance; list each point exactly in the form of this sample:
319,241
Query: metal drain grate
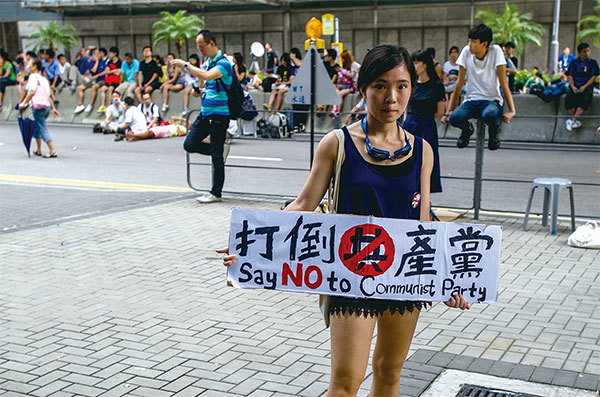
480,391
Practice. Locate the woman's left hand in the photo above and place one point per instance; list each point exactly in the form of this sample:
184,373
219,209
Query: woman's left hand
458,301
55,113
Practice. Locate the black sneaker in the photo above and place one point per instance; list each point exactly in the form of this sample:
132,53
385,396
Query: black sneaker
463,140
493,142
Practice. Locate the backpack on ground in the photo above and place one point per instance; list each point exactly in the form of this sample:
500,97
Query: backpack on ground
273,127
249,111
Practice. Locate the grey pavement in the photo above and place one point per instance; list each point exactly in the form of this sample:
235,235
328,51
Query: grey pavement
134,302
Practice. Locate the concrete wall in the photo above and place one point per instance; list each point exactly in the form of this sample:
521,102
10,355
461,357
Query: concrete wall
550,129
414,26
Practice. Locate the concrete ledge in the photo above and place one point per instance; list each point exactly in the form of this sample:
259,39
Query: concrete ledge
520,129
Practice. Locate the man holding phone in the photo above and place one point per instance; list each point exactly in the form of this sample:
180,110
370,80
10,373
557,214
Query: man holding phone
216,76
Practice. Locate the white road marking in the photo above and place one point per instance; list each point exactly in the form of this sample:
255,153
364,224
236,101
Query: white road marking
254,158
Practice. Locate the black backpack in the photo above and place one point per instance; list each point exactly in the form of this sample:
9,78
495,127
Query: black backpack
235,96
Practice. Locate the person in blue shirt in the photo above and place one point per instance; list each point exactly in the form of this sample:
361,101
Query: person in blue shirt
129,76
88,71
564,60
216,74
581,75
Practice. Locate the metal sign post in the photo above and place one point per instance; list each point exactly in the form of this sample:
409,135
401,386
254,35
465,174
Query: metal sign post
311,86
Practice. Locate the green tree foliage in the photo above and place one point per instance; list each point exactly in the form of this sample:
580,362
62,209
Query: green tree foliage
53,36
512,26
590,25
178,27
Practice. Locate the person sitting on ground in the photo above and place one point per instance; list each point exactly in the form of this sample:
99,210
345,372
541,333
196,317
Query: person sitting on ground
94,63
282,85
7,74
135,120
175,81
255,82
450,71
485,68
344,81
438,67
115,114
148,74
176,128
129,76
357,112
52,72
581,75
190,83
535,84
112,78
150,111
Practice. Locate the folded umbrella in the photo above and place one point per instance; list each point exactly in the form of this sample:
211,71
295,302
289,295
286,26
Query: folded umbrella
27,127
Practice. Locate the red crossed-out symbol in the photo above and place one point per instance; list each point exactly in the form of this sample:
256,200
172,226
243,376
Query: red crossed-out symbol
367,250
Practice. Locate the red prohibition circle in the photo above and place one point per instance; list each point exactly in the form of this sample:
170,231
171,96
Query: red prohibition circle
367,250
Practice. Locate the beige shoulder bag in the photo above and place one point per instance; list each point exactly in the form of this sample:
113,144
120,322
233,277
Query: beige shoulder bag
332,202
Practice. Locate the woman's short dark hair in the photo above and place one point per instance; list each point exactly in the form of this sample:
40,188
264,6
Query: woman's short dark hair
430,51
239,58
425,57
296,52
379,60
482,33
194,56
38,63
453,48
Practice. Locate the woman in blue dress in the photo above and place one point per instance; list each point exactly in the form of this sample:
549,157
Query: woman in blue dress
385,172
426,104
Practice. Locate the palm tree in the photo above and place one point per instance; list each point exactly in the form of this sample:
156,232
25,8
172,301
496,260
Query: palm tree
54,36
177,27
591,25
512,26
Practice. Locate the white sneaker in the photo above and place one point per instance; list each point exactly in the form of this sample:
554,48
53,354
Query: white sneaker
88,108
165,107
79,109
569,124
208,198
185,112
576,124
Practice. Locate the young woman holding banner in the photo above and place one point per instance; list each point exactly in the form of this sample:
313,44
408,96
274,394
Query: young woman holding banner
386,173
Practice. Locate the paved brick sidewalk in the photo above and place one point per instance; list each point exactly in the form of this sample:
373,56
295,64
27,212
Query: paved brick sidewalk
135,303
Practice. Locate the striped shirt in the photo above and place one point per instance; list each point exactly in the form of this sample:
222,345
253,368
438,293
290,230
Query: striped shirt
214,100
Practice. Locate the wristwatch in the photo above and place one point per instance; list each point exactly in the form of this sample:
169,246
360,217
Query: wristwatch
186,65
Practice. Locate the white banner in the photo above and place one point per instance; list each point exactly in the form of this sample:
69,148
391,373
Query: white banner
364,257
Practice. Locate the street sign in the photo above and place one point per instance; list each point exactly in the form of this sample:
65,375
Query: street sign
300,91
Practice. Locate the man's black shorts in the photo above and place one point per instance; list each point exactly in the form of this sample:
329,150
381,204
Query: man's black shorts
580,100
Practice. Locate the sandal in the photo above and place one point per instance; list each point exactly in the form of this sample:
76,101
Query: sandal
50,155
38,153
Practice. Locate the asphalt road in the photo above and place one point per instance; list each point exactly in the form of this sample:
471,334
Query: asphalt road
94,174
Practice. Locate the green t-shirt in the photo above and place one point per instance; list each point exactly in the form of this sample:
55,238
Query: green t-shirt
9,66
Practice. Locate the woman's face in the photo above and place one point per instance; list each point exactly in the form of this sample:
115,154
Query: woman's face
420,67
388,96
193,61
170,58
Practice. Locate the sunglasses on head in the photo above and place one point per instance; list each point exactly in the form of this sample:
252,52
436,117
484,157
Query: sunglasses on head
380,154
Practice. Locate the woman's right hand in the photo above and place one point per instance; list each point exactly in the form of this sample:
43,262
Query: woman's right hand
228,260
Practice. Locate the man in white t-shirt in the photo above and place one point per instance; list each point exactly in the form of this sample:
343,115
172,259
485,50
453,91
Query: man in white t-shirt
485,69
134,120
150,111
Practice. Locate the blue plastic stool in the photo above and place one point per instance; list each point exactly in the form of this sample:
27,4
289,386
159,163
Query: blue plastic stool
552,187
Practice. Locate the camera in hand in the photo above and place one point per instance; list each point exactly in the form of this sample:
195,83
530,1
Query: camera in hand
196,87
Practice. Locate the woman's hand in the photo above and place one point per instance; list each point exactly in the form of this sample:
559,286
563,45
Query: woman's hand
228,260
55,112
458,301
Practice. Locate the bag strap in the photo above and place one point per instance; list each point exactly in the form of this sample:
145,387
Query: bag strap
333,191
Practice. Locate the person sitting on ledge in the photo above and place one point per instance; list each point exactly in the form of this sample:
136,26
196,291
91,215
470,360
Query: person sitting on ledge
484,67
